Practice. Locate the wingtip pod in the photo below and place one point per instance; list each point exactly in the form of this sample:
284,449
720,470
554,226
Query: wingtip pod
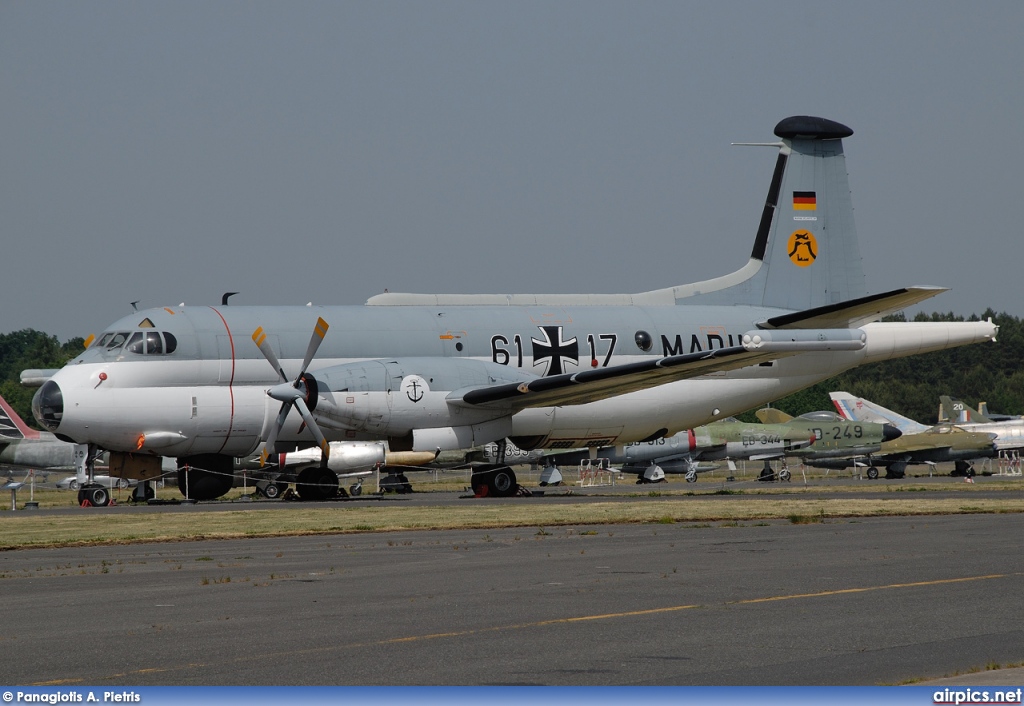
887,340
808,127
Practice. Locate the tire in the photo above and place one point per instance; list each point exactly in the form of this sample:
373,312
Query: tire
873,473
355,490
206,477
691,476
122,483
271,490
100,497
317,484
74,485
502,482
785,475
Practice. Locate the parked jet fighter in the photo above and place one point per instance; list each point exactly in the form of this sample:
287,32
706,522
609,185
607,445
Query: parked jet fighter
815,435
919,443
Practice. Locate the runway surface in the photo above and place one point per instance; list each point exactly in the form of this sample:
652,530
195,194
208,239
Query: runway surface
867,601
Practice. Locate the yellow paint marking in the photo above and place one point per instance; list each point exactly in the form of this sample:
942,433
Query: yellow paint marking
89,340
540,623
258,336
321,327
842,591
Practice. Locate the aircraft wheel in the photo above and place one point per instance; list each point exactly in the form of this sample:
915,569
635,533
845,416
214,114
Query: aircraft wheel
206,476
317,484
502,482
355,490
785,475
74,485
100,497
271,490
478,482
873,473
122,483
404,485
691,476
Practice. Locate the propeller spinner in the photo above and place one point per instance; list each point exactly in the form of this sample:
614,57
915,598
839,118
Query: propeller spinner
292,394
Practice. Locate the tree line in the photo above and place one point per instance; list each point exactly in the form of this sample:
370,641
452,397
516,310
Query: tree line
990,372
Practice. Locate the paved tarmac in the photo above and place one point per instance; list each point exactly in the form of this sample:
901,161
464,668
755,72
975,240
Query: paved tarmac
864,601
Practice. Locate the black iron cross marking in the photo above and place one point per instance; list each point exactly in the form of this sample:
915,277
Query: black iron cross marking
554,352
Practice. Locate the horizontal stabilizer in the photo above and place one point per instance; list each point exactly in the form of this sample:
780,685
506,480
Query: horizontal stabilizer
854,312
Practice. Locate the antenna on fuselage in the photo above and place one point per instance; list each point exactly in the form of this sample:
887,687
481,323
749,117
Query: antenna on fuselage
225,297
135,304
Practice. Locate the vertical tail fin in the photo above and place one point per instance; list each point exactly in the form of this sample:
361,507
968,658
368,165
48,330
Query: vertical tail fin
959,412
806,253
12,426
859,409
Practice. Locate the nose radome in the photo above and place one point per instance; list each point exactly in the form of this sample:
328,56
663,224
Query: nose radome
48,405
889,432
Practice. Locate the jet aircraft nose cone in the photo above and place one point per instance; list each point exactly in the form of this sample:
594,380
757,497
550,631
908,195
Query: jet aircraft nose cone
48,405
889,432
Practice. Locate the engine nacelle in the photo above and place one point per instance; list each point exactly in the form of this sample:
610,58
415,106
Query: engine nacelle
393,397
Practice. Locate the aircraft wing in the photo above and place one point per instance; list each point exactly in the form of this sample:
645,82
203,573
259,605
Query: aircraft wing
854,312
592,385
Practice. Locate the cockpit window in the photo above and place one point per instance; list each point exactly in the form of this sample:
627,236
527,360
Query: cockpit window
117,340
151,343
135,343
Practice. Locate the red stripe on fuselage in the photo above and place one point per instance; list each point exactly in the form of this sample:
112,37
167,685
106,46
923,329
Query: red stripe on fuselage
231,382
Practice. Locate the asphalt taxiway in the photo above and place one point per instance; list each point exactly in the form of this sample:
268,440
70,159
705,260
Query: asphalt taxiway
848,601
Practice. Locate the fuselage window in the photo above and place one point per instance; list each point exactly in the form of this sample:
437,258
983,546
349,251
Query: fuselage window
170,343
104,338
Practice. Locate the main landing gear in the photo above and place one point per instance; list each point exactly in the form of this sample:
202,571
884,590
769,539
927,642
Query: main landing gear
494,480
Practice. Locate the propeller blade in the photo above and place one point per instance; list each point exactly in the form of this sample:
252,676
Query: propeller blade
268,446
259,337
319,331
290,393
307,417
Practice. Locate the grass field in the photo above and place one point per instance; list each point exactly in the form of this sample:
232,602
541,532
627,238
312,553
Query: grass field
707,501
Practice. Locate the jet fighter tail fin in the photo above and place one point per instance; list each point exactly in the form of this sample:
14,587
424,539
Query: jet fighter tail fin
859,409
806,253
12,426
959,412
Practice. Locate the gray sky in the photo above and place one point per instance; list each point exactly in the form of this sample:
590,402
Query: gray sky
308,151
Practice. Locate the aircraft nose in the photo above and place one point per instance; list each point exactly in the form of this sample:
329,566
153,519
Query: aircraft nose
889,432
48,405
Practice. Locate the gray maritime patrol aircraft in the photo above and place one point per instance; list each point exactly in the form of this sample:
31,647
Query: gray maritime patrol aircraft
425,372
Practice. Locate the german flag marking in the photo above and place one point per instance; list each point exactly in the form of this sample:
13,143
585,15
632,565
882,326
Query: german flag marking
805,201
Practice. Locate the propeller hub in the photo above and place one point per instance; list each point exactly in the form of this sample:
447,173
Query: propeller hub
286,392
